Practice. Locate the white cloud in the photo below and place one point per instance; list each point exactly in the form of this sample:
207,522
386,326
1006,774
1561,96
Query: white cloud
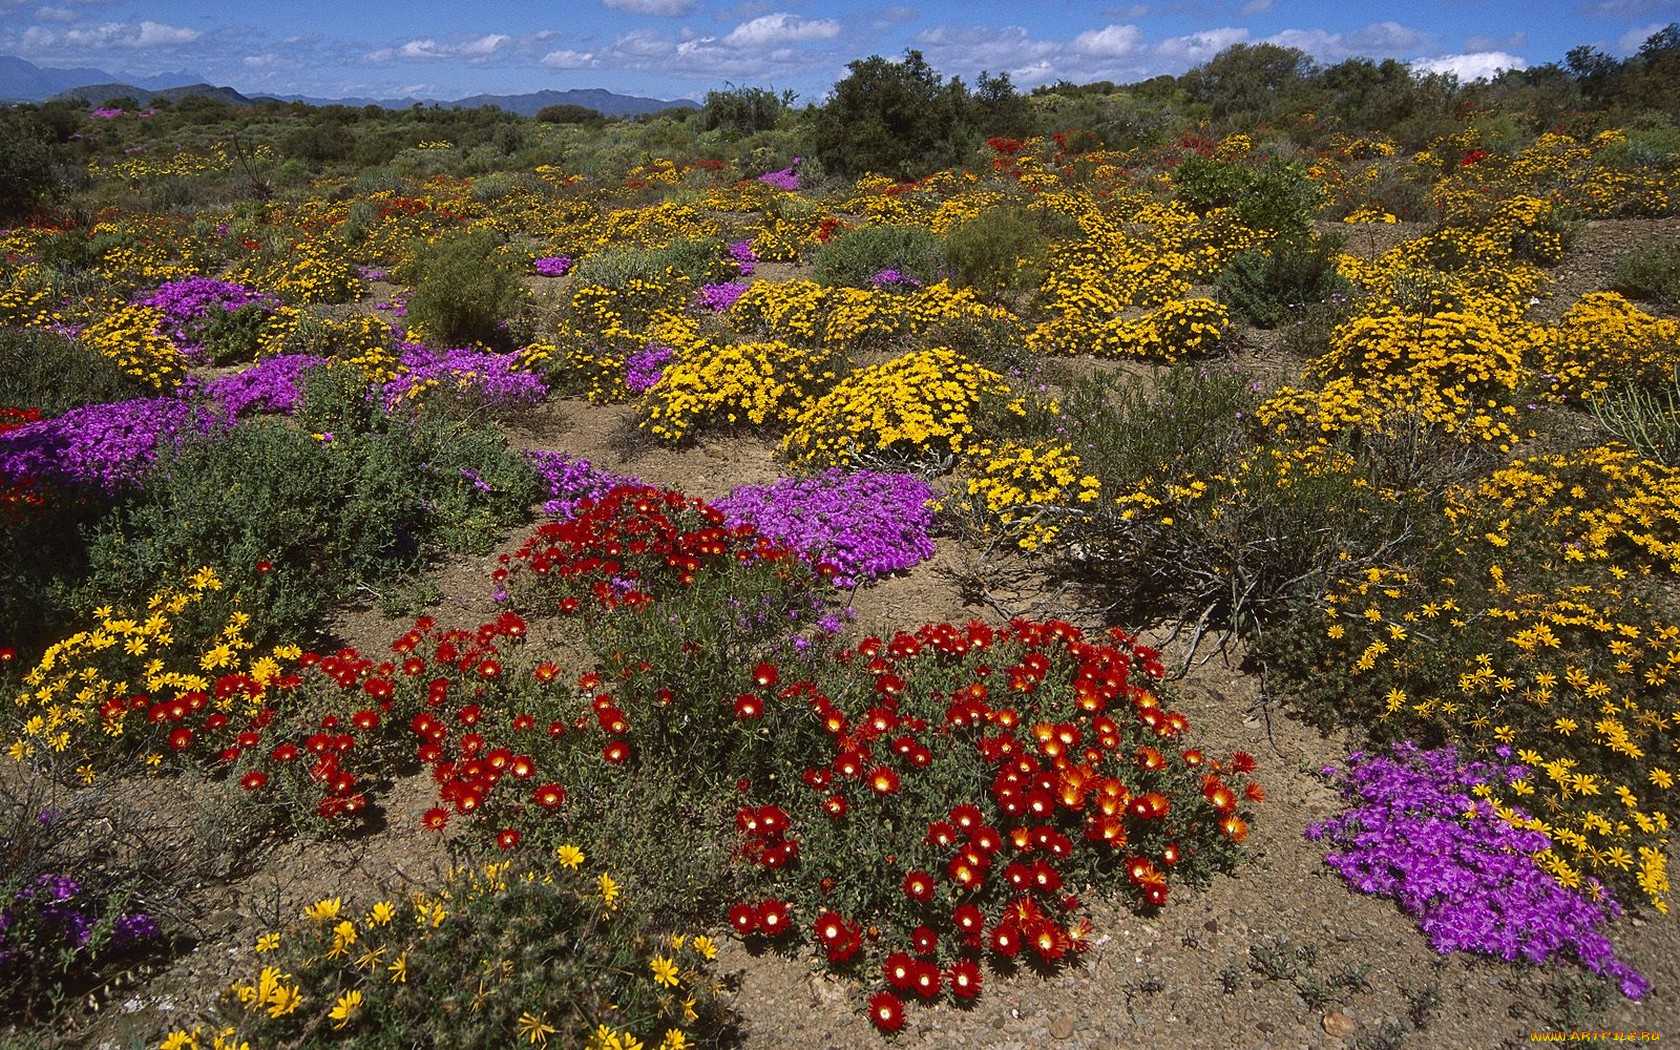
426,49
1257,7
662,8
1631,41
1378,40
569,59
1181,52
142,36
56,14
1478,65
1109,41
779,28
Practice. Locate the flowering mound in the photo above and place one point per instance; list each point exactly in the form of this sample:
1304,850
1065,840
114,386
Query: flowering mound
864,523
189,307
494,379
100,445
1463,870
269,386
568,481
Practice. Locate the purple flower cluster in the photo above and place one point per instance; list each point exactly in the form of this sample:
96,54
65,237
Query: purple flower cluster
865,524
495,379
188,303
719,297
745,258
553,266
50,905
101,445
646,367
105,114
786,179
569,481
891,278
269,386
1417,834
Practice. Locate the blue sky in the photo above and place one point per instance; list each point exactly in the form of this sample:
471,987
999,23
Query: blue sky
682,48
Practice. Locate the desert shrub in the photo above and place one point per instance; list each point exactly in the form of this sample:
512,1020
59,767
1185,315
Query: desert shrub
505,952
699,259
464,290
1646,419
855,257
1274,197
995,249
45,370
1265,286
1650,273
232,336
357,502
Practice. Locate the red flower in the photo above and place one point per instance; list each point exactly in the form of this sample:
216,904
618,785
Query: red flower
507,838
836,806
1006,939
926,979
964,978
1234,827
181,739
748,706
744,918
887,1011
773,918
900,970
918,886
1242,762
549,796
435,818
285,753
883,781
255,780
765,675
924,940
617,752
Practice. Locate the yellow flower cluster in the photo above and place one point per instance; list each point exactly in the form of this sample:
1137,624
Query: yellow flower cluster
311,271
1029,493
1605,342
65,705
128,335
735,384
924,402
337,973
26,297
853,319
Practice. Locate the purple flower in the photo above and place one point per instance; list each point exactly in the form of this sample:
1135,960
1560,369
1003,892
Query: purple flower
496,379
569,481
745,258
786,179
893,278
187,304
553,266
269,386
719,297
100,445
1417,833
865,524
646,367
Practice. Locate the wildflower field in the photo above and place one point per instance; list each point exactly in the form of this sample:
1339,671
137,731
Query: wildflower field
679,596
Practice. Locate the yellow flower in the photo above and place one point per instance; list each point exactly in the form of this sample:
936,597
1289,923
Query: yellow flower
706,947
609,889
345,1008
381,914
399,969
324,909
268,942
569,856
534,1027
664,971
675,1040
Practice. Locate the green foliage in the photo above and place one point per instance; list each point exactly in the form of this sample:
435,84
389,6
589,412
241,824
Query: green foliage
1264,286
1646,420
45,370
1275,197
1650,272
699,259
27,175
359,505
570,113
232,336
855,256
996,250
464,290
743,111
900,119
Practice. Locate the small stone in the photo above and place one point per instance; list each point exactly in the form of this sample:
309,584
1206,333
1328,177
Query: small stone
1211,926
1339,1024
1061,1028
826,991
1266,1026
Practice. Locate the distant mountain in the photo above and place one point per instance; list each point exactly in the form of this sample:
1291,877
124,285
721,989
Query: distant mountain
24,81
97,93
607,102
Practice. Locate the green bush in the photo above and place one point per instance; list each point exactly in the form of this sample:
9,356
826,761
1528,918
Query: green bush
464,289
994,250
359,505
1265,286
1274,197
700,259
45,370
1650,273
233,336
853,257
